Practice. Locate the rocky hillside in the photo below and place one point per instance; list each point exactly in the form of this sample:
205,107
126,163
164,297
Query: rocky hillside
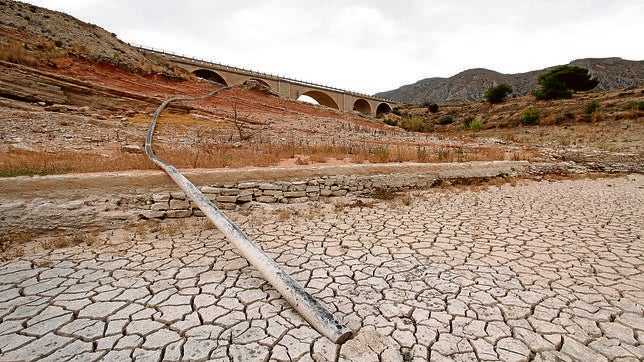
468,86
32,36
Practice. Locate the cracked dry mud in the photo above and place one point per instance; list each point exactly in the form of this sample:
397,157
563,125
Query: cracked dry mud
544,270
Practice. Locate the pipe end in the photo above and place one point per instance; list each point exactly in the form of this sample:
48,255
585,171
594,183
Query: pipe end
343,337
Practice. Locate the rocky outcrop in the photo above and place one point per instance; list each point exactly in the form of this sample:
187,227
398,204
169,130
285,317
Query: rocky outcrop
31,85
39,28
470,85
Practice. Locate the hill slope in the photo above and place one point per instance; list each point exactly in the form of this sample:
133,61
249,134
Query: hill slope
469,86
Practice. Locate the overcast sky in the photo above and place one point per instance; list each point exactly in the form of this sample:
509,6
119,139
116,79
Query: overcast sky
373,46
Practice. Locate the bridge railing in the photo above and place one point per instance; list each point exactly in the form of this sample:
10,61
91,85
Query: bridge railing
253,72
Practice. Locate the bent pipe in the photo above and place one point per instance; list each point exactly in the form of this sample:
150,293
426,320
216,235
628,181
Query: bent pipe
304,303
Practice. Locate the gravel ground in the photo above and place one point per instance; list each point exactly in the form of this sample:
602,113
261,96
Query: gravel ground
541,270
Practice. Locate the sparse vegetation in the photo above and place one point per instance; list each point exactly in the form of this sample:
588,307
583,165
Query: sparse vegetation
497,94
475,125
391,122
282,214
64,241
530,116
636,109
592,107
432,107
30,163
15,52
407,198
413,123
384,193
10,243
445,120
592,112
635,105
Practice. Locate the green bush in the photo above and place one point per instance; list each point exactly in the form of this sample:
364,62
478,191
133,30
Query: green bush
552,89
497,94
391,122
592,107
446,120
560,82
530,116
635,106
476,125
564,117
473,124
413,123
432,107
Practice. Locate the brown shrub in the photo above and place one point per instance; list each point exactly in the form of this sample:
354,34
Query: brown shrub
301,161
15,52
282,215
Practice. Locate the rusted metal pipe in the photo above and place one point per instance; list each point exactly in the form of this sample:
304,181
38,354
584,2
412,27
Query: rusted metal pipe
304,303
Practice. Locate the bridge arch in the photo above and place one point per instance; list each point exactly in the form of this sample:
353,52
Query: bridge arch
250,82
322,98
362,106
210,75
383,108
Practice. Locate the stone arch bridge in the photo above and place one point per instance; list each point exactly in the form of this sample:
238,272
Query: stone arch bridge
340,99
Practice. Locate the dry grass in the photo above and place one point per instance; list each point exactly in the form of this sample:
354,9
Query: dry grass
45,52
28,163
361,204
173,228
525,155
10,243
282,215
208,225
58,242
14,52
407,198
318,157
64,241
141,230
500,181
384,194
302,161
